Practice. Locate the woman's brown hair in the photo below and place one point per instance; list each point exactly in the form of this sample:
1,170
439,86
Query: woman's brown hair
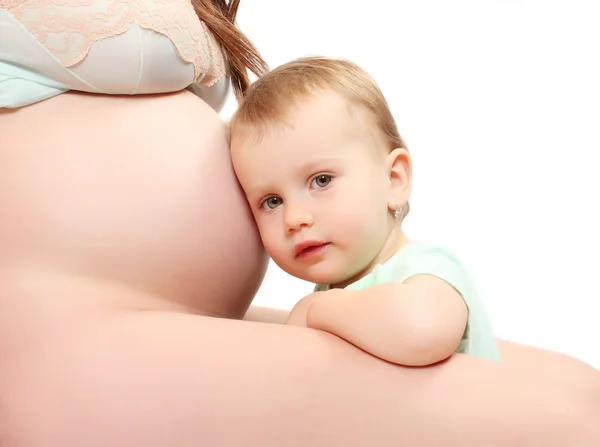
240,53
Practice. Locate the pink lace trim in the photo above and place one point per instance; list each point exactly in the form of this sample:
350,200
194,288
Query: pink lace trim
68,28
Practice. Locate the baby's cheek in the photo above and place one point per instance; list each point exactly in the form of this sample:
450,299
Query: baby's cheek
365,225
353,228
268,235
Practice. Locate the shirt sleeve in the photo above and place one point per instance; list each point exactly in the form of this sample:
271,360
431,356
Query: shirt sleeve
434,261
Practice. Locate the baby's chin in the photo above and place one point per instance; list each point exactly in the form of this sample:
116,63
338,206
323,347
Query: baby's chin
326,270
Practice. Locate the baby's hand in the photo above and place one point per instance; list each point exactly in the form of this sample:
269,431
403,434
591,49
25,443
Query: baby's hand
298,314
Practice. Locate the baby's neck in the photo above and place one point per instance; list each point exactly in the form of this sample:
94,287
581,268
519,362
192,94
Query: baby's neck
395,241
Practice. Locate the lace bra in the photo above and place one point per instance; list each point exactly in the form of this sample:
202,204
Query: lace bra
119,47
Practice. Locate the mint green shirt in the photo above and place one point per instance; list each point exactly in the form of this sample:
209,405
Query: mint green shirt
426,259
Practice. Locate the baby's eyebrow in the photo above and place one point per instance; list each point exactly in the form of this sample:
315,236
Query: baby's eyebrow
316,163
258,191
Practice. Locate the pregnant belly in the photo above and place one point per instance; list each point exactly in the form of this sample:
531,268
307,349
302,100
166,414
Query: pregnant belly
138,191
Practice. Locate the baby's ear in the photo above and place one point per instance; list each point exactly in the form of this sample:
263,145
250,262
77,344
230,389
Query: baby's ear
399,167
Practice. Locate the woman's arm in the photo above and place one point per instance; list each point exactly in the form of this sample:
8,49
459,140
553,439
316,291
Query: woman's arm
153,379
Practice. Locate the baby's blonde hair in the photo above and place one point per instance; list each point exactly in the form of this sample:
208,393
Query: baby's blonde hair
269,99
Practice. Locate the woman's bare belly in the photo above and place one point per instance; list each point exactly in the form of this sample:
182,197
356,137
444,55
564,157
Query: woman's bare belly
120,202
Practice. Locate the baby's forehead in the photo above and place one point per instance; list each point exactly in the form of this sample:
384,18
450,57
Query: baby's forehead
325,114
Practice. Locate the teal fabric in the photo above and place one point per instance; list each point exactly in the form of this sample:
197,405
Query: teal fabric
428,259
20,86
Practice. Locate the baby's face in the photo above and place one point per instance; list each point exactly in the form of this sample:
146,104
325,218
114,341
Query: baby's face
319,189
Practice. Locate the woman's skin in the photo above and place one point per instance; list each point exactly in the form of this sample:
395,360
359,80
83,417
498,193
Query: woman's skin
129,259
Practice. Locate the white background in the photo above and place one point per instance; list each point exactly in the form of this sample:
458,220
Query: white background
499,103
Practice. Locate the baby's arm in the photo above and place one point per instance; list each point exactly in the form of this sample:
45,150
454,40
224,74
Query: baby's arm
261,314
415,323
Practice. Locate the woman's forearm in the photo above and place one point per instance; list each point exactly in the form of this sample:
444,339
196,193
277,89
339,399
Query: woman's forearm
154,379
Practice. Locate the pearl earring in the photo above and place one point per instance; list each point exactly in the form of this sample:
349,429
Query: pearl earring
397,212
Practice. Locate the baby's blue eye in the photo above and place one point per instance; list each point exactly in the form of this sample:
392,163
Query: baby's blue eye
321,181
271,202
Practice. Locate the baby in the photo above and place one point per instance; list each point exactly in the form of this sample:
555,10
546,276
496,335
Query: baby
328,178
